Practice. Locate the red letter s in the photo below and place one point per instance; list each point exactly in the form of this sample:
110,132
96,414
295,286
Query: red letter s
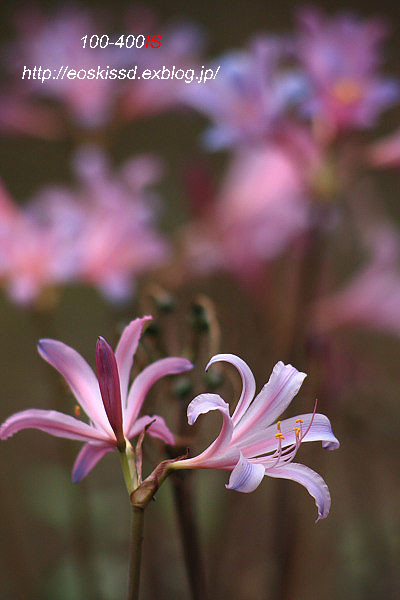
154,39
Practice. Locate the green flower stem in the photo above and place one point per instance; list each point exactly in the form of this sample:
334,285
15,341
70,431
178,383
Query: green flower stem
128,466
135,552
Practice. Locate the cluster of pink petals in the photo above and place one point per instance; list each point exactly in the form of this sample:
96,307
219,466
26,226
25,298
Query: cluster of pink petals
262,207
110,403
250,445
100,233
372,296
341,56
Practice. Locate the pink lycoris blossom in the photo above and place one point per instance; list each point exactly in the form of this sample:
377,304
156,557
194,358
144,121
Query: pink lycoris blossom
250,445
371,298
112,406
249,97
341,56
263,203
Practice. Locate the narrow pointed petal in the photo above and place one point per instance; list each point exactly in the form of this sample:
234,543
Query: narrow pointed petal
52,422
79,376
313,482
248,382
87,459
274,398
146,379
263,440
218,454
110,387
246,476
158,428
125,352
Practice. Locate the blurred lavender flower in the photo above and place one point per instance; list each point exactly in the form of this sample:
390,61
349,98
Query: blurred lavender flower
250,445
372,297
111,405
249,97
341,56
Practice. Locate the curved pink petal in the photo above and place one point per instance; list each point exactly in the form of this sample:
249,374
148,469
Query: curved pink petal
80,378
219,454
262,441
313,482
246,476
88,458
248,382
274,398
125,352
144,381
52,422
158,428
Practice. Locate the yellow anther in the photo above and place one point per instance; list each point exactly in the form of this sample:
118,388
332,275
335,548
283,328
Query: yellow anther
297,430
280,436
299,421
77,410
278,425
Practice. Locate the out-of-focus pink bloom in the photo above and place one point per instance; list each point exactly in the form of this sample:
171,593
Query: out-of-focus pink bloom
112,217
33,258
372,297
261,208
33,255
111,405
250,445
101,233
341,56
386,152
249,96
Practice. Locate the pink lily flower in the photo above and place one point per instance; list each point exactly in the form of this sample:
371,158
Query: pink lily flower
250,445
111,405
